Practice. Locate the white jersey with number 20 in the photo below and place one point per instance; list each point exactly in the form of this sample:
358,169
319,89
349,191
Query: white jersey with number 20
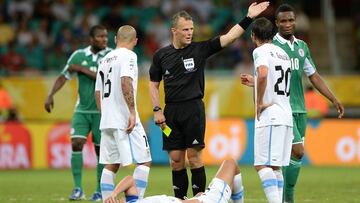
277,90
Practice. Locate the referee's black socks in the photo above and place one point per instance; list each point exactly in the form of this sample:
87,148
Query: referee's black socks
198,180
180,183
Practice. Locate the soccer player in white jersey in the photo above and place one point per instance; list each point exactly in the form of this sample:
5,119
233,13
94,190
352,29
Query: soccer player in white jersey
273,122
123,139
227,182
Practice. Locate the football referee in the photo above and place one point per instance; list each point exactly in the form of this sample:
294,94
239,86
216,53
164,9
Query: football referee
181,66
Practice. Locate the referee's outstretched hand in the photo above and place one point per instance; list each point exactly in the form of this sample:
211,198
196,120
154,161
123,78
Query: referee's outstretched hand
256,8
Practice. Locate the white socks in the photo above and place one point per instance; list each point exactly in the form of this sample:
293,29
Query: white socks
107,183
280,182
237,193
141,174
270,185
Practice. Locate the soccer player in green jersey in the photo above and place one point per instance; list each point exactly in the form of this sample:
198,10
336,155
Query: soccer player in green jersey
301,61
86,118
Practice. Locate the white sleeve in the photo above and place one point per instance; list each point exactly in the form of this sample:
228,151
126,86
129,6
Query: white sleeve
260,58
309,69
129,65
99,82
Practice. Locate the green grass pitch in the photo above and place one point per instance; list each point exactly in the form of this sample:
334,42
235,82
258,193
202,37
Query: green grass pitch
316,184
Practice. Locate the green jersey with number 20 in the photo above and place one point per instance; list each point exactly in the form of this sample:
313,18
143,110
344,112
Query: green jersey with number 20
301,61
84,57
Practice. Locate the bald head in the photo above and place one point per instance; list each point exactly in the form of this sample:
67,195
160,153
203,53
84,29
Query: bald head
126,34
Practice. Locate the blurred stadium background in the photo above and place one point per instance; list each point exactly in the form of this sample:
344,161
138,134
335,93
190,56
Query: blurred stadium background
37,37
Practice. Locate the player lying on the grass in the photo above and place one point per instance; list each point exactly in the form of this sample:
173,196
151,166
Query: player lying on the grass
226,184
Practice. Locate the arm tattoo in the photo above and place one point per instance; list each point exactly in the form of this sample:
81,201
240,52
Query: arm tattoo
128,92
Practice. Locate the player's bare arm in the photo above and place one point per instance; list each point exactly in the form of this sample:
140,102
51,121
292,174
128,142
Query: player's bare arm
321,86
128,93
236,31
247,79
49,102
159,117
97,99
261,81
84,70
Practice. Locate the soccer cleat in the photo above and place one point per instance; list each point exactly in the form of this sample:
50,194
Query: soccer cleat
96,197
77,194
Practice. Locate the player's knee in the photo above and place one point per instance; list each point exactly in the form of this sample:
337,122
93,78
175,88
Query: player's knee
77,144
230,163
112,167
177,164
148,164
195,161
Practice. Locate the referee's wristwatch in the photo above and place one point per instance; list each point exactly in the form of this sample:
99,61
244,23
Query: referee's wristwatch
156,109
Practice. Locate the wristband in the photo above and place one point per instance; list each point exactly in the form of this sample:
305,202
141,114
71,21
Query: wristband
156,108
245,22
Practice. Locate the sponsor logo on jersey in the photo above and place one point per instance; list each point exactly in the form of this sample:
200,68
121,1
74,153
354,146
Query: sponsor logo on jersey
84,63
301,52
189,64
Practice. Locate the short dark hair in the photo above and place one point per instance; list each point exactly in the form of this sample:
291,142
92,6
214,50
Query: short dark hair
263,29
180,14
95,28
284,8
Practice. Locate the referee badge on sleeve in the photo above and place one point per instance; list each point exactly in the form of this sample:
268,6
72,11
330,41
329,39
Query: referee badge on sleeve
189,64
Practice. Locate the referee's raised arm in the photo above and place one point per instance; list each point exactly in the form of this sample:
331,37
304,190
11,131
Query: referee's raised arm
237,30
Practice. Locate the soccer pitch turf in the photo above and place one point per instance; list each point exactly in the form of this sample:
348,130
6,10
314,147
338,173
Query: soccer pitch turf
316,184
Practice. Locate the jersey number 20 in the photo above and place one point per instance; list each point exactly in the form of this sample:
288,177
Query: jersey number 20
280,80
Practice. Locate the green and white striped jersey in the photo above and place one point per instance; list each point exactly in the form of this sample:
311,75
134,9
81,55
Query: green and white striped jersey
301,61
86,85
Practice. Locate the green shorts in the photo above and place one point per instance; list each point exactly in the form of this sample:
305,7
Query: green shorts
83,123
299,127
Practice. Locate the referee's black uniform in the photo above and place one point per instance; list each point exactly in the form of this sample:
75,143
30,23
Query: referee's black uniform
183,73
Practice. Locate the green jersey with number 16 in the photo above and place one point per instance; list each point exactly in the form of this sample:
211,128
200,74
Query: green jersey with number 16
299,54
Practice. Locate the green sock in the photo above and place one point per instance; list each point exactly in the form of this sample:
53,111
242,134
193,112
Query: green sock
76,167
291,174
99,169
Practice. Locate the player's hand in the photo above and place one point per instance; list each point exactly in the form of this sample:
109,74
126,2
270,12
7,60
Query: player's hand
159,119
260,108
340,108
247,79
111,199
131,123
255,9
49,104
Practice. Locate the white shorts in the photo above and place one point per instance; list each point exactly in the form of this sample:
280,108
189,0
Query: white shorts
118,147
272,145
159,199
218,192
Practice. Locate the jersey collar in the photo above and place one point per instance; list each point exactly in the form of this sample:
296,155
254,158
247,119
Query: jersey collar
283,40
88,51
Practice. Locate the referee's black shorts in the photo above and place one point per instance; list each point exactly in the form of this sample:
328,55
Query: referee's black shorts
187,121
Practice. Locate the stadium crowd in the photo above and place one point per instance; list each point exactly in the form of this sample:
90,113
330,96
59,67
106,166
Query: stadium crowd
38,36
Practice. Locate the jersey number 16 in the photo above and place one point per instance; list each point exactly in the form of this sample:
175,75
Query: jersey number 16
106,85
